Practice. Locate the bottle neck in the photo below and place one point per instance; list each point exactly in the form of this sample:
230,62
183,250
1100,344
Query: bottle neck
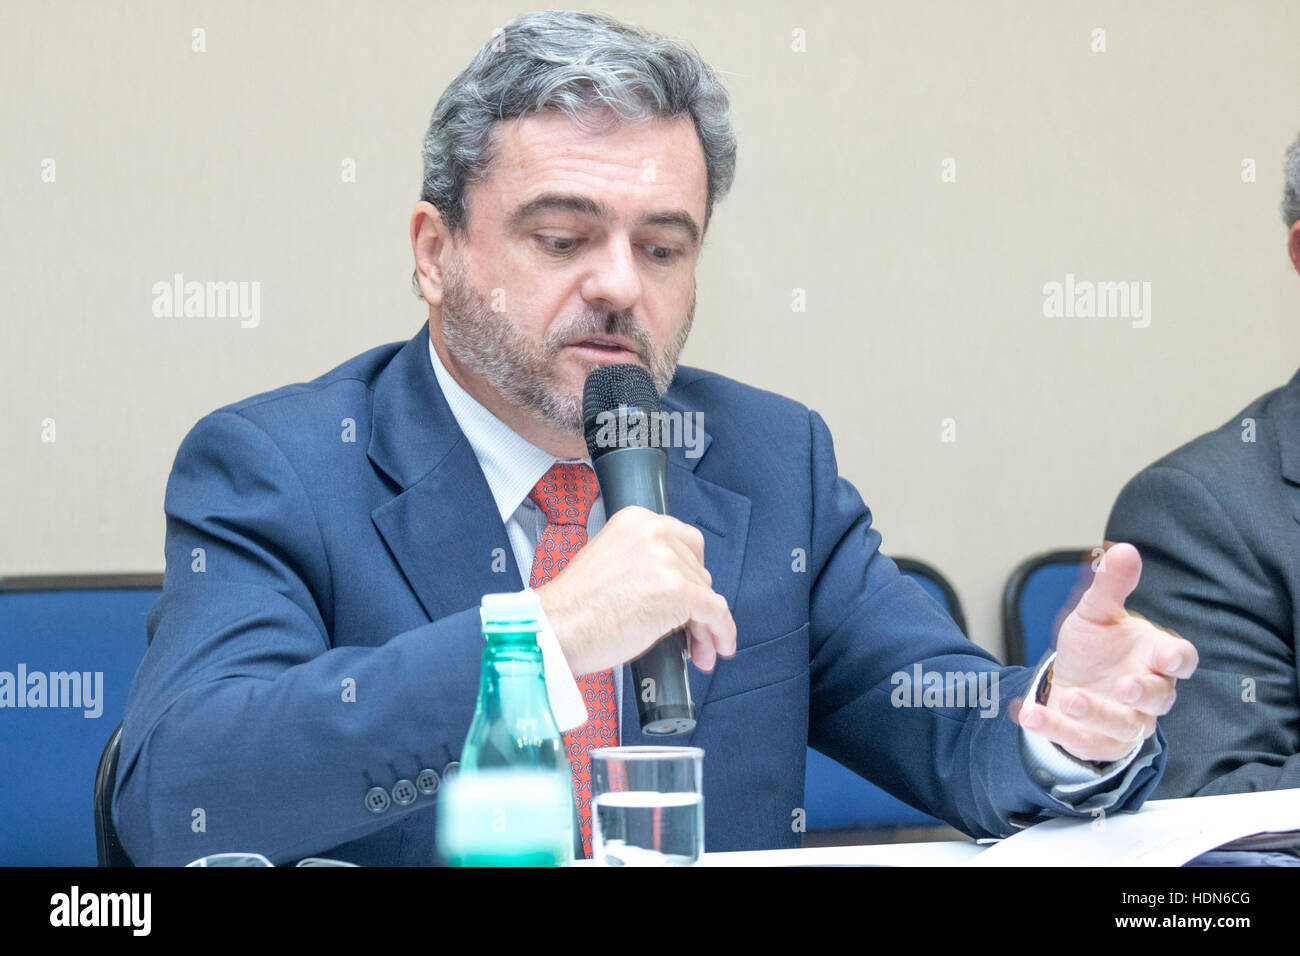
513,641
512,673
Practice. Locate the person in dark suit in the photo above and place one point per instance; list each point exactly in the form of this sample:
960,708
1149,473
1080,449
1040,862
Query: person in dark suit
1217,524
314,657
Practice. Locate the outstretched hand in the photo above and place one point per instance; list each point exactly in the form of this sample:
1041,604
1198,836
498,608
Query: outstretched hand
1114,672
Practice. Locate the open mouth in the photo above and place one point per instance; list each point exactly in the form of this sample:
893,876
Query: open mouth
602,348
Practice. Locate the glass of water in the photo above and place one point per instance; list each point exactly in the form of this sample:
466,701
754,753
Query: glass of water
648,806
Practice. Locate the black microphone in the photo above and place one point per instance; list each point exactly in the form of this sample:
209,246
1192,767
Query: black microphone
621,420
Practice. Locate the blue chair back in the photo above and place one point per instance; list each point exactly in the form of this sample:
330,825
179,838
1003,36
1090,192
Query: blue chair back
69,647
836,798
1039,594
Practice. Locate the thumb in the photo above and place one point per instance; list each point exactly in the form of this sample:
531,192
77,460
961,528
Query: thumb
1117,575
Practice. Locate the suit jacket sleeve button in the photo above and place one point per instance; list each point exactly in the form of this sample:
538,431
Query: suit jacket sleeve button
377,800
427,782
451,770
403,793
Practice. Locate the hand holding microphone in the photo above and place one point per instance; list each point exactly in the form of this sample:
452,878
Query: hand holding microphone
641,578
639,589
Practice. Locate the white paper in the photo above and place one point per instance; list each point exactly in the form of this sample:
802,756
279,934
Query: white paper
889,854
1162,833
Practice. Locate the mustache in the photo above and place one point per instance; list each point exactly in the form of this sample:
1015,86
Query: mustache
608,323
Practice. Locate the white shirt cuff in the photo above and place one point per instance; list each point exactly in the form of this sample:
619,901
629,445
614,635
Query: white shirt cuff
567,705
1052,768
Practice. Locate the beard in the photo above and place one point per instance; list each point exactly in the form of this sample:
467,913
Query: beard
487,343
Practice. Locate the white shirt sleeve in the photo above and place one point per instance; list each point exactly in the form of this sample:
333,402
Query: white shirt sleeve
1065,776
567,705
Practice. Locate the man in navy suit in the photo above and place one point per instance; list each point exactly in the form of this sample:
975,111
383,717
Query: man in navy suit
1217,524
314,656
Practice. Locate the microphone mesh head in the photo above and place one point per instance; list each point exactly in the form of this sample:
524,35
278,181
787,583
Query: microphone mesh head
614,398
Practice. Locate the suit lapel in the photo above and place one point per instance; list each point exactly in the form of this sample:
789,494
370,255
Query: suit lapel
443,529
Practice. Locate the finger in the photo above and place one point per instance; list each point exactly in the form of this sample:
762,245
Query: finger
1174,656
703,654
687,534
1151,693
1117,575
1105,717
688,562
630,515
711,621
1070,734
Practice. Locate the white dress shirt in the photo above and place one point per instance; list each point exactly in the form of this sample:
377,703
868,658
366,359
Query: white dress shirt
512,466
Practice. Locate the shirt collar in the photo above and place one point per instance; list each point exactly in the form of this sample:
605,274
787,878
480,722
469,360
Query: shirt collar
511,464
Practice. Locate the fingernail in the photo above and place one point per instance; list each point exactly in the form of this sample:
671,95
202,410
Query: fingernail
1032,720
1131,694
1077,707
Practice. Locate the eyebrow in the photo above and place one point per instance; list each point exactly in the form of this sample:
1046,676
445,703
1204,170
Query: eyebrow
566,202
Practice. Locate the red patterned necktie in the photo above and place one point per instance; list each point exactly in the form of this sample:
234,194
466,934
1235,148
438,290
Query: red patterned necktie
565,495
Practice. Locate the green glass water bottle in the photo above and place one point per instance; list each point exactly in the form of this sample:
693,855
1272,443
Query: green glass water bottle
514,747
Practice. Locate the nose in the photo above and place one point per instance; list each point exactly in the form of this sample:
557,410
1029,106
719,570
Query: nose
613,283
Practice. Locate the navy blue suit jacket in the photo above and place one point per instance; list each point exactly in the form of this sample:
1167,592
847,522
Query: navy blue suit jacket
339,534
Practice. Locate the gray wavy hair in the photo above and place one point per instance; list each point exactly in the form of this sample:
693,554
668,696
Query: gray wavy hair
1291,194
591,67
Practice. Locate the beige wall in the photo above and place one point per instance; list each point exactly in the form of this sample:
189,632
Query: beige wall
924,298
